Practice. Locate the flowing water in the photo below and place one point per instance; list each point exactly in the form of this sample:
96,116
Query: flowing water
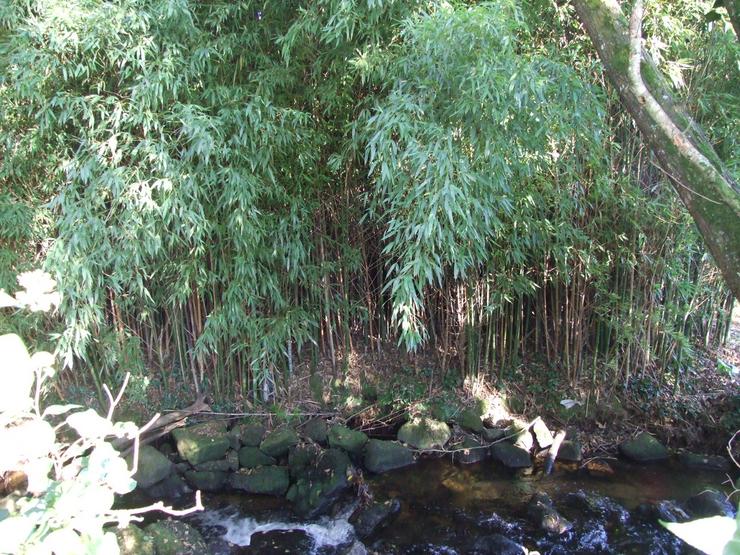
445,508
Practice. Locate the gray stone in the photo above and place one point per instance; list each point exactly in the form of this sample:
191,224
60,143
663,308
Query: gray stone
704,462
230,463
668,511
203,442
374,517
510,455
493,434
268,480
152,466
496,544
570,451
277,443
252,457
174,537
710,503
543,514
597,505
133,541
473,451
542,434
644,448
424,433
171,488
316,430
341,437
381,456
206,480
469,419
320,484
518,434
250,434
301,457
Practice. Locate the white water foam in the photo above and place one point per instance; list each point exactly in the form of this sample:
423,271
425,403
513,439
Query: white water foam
324,532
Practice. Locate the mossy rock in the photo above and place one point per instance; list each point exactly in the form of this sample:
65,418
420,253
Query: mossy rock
473,451
469,419
493,434
704,462
342,437
267,480
644,448
481,407
570,451
250,434
511,456
227,464
301,457
314,493
252,457
171,488
152,466
316,430
206,480
518,434
174,537
133,541
372,518
278,442
424,433
382,456
203,442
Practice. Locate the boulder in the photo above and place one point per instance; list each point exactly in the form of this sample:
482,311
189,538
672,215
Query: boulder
341,437
174,537
542,434
424,433
374,517
570,451
206,480
268,480
493,434
643,448
250,434
473,451
152,467
708,503
203,442
277,443
518,434
381,456
171,488
496,544
301,457
133,541
543,515
511,456
321,483
228,464
469,419
316,430
252,457
704,462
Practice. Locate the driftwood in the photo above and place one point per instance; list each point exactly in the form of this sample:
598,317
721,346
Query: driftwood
552,454
162,425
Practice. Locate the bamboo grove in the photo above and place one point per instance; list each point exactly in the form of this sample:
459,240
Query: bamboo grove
235,188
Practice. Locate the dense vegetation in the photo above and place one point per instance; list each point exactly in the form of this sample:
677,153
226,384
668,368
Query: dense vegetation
224,190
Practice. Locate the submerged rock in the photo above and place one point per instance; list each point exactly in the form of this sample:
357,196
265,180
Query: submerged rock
424,433
496,544
316,430
342,437
473,451
510,455
543,514
152,466
381,456
710,503
269,480
133,541
206,480
174,537
374,517
668,511
597,505
700,462
277,443
203,442
644,448
252,457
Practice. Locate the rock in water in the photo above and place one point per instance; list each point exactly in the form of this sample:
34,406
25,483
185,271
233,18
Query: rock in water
206,480
496,544
252,457
174,537
152,467
700,462
570,451
542,433
669,511
341,437
268,480
473,451
381,456
277,443
644,448
321,482
203,442
424,433
171,488
543,514
710,503
374,517
510,455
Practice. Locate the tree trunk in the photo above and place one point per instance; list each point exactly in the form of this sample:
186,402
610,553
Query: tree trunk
696,172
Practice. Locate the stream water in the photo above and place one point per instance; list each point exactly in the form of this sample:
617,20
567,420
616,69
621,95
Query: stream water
446,509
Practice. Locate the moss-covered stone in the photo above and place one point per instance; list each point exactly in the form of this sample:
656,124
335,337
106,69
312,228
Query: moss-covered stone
469,419
470,451
229,463
268,480
152,466
518,434
278,442
301,457
171,488
374,517
174,537
342,437
250,434
316,430
314,493
203,442
644,448
570,451
381,456
493,434
206,480
133,541
252,457
511,456
424,433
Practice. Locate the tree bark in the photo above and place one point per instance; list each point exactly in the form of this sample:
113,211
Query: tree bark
686,155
